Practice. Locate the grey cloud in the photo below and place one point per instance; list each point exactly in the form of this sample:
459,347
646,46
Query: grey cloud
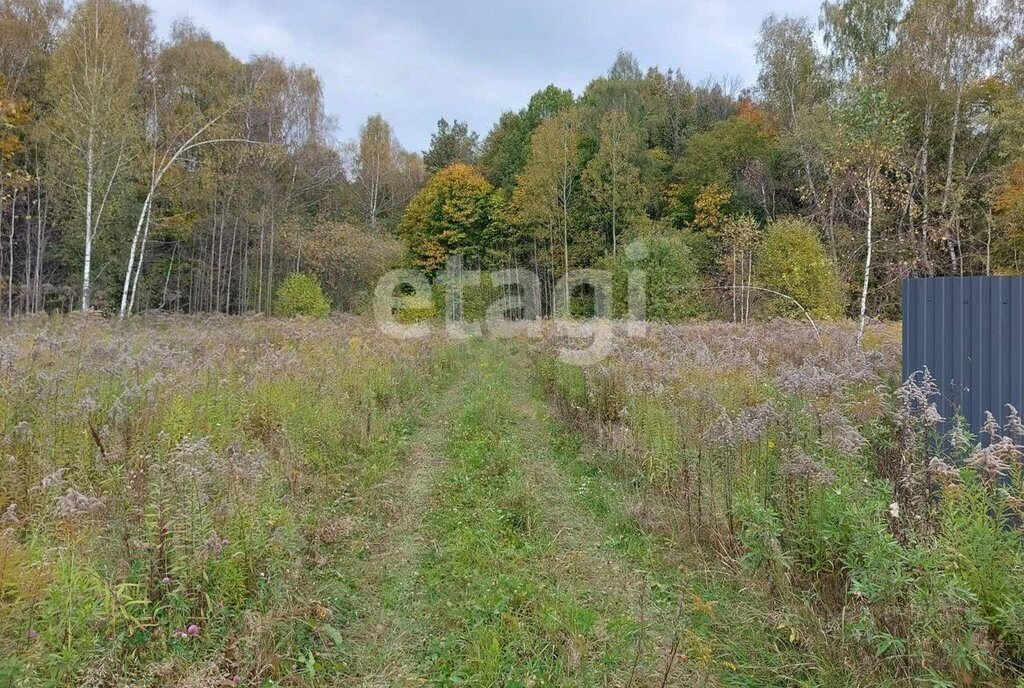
415,62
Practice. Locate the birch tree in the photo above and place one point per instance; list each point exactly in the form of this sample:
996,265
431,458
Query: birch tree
94,123
871,131
612,178
27,30
162,162
946,48
792,81
376,168
547,186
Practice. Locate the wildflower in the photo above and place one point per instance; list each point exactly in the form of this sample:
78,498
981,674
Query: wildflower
960,438
810,380
1014,426
165,580
10,515
753,422
54,479
73,504
802,466
992,461
942,472
6,355
721,431
931,415
916,405
87,405
1012,502
215,543
22,431
193,630
991,426
32,634
842,434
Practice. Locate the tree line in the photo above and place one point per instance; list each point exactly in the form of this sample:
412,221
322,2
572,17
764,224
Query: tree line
884,141
143,173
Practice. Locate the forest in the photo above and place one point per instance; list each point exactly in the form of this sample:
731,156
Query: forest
884,139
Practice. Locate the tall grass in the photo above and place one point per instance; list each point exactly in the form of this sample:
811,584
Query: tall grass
809,475
186,501
166,488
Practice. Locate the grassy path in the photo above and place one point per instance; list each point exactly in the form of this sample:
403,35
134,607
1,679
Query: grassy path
499,561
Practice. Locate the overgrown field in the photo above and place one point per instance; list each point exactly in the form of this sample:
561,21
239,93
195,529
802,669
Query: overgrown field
254,502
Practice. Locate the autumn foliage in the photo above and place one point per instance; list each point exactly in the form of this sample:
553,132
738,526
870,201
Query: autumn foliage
451,215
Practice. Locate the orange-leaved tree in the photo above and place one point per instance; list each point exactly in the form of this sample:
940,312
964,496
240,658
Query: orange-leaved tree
450,215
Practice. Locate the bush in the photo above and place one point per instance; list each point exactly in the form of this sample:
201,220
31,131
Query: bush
348,260
415,310
475,299
673,282
301,294
792,261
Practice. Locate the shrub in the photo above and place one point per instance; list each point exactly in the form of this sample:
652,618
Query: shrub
348,260
792,261
416,309
475,298
673,282
301,294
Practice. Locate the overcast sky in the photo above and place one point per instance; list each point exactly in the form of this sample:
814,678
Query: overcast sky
415,61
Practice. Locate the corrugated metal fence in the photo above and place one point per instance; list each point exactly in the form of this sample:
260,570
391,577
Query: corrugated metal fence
969,332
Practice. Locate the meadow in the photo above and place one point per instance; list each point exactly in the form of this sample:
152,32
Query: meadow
215,501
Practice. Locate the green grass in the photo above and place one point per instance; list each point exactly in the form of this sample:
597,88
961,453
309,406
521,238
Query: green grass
329,509
502,607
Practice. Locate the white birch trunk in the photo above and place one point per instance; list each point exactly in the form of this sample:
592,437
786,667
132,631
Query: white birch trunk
87,261
867,262
138,267
10,266
134,247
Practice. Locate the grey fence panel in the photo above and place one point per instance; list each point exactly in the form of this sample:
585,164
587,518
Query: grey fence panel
969,332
